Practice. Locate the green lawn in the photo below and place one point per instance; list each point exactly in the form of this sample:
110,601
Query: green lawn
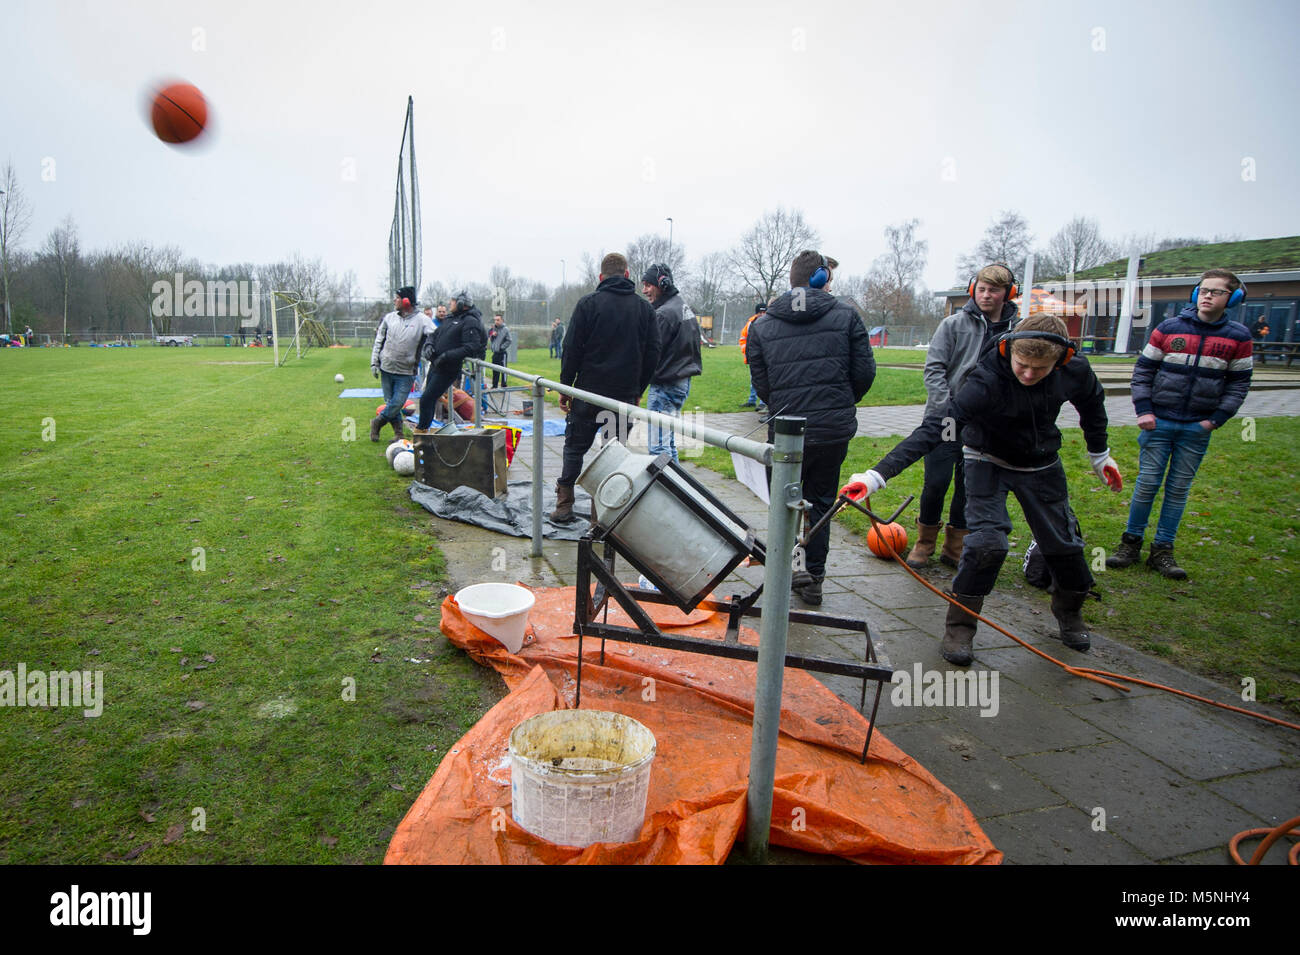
1236,617
226,670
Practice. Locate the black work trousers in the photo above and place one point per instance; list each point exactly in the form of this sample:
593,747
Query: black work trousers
943,466
821,486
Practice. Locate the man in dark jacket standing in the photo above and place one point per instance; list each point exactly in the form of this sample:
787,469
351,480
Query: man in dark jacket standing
460,336
811,357
610,349
501,339
679,353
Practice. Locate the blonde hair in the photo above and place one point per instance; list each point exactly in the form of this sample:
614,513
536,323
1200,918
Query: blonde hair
1037,349
998,275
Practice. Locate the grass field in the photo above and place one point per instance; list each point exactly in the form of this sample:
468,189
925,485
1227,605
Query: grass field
205,531
1236,617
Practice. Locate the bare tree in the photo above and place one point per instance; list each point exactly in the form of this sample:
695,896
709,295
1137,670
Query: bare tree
15,217
1007,241
891,292
1078,246
712,283
763,257
64,255
650,249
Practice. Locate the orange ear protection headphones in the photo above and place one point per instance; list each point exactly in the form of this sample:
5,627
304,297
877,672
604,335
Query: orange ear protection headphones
1069,346
1011,292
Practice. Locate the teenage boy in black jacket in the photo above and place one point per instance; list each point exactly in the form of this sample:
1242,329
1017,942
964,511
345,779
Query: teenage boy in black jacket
1006,415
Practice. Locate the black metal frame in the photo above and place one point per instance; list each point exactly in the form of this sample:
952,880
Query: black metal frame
588,604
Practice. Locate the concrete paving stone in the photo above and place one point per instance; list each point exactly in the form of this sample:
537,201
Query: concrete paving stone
1062,835
1158,726
990,784
896,592
1049,681
1273,794
1147,804
1023,722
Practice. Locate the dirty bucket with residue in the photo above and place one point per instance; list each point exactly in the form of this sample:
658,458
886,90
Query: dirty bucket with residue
580,776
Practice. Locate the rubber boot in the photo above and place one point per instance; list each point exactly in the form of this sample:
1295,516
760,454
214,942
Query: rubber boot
959,630
1162,561
399,427
375,425
563,513
807,587
927,535
1129,551
953,538
1066,608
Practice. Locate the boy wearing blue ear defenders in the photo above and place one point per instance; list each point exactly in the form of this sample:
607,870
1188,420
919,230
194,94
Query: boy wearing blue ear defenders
1191,377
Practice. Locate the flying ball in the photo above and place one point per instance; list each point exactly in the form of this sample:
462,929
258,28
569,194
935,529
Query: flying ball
179,113
339,379
886,540
404,462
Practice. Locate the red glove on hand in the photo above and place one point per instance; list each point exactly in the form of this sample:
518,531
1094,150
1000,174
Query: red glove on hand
1104,466
862,486
1114,480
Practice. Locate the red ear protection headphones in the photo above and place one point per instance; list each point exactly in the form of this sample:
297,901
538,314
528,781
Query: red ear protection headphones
1011,292
1069,346
406,302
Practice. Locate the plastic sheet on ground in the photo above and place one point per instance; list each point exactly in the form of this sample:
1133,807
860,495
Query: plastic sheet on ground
512,514
700,709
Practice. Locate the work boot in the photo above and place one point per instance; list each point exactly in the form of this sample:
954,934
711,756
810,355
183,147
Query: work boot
926,537
807,587
563,513
375,425
959,630
953,538
1162,561
1128,552
398,428
1066,608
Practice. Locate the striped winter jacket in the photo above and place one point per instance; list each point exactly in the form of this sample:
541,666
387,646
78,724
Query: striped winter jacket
1193,371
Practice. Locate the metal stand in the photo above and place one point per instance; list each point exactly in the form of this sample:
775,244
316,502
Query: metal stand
588,604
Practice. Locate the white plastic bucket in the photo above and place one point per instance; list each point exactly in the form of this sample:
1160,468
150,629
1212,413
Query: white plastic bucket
500,610
580,776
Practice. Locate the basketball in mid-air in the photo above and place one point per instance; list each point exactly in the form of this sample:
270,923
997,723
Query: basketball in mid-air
179,113
890,540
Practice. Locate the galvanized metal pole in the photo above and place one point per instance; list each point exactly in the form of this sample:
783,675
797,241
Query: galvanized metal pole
782,520
539,394
478,394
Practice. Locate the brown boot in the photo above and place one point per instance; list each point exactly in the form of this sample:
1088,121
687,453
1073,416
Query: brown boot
927,535
375,425
953,538
563,513
959,630
398,428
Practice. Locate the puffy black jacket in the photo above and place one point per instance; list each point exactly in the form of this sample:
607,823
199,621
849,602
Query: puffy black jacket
460,336
612,345
679,340
1011,421
810,356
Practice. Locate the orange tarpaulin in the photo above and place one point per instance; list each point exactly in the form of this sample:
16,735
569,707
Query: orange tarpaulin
700,709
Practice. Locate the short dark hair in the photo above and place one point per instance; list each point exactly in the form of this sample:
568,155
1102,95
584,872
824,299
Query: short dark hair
804,265
614,263
1234,283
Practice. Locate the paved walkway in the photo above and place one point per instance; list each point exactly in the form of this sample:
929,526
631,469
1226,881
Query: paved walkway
1066,771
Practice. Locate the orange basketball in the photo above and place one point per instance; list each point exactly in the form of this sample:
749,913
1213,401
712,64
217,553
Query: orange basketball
890,540
179,113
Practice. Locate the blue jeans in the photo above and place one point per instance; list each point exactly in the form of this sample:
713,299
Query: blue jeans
666,399
397,388
1178,446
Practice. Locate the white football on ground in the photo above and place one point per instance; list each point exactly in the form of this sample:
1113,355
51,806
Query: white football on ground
404,462
339,379
397,446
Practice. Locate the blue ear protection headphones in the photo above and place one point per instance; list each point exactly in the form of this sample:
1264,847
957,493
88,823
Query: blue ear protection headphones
822,275
1235,299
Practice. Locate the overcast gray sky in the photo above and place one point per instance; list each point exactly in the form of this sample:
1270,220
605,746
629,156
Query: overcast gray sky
544,130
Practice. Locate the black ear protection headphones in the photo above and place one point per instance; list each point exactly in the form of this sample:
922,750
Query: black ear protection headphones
463,299
1069,346
665,278
1011,292
823,274
1235,299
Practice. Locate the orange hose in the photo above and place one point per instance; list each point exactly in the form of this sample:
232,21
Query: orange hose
1088,673
1270,836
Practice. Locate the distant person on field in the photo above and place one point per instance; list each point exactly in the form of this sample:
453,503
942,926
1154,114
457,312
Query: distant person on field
395,358
1006,415
949,360
679,354
557,339
1191,377
500,338
611,349
752,401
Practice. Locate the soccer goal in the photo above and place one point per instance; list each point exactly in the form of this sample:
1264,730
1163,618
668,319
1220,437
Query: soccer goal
307,331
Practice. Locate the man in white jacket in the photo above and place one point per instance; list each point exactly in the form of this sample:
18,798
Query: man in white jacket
395,357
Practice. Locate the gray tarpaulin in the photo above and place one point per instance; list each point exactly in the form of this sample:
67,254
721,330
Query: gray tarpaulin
512,514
